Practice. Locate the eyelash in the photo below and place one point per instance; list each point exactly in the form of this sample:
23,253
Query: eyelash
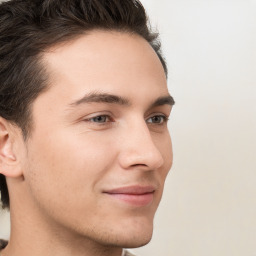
106,116
164,119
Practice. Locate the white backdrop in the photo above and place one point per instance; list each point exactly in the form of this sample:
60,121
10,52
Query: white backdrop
209,204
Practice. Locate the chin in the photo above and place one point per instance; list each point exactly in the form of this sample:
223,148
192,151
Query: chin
127,231
132,241
134,236
137,242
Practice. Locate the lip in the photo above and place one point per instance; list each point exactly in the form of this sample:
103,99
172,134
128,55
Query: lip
133,195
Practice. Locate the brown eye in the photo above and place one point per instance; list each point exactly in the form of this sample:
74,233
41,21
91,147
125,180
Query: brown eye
158,119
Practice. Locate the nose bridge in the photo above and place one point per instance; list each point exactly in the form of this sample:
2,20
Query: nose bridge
138,148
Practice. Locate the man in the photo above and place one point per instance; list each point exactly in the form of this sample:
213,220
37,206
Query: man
84,144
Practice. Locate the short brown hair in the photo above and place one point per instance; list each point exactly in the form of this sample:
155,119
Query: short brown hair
29,27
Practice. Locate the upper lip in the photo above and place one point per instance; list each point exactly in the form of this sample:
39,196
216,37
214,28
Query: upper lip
132,190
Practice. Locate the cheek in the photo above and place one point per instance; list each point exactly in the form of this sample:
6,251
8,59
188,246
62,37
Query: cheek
63,162
168,155
165,147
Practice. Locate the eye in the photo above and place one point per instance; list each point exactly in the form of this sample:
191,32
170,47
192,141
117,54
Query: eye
99,119
157,119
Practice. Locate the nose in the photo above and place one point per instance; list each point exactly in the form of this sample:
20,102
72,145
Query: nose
139,150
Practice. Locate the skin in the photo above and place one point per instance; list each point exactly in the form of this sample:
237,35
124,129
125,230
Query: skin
78,150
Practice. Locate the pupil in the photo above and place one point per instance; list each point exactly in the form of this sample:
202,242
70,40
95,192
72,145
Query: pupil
100,119
156,119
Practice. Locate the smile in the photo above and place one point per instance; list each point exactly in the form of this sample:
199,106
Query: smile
134,195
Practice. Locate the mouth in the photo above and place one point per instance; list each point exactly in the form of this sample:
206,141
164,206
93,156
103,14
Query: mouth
133,195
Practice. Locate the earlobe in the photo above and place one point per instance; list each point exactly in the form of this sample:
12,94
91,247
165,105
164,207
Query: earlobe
9,165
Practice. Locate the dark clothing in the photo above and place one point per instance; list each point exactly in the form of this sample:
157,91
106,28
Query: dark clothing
3,244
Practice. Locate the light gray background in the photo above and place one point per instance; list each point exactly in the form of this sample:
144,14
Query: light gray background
209,204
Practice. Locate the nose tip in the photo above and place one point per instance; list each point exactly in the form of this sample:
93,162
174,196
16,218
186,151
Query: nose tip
140,151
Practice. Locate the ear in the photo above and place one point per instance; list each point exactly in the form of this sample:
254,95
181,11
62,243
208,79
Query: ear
9,164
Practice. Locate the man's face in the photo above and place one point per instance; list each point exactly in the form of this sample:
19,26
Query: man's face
100,149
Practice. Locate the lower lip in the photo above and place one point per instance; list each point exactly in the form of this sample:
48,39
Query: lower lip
135,200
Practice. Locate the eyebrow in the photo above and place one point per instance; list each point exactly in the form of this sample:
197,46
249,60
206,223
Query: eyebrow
96,97
101,98
164,100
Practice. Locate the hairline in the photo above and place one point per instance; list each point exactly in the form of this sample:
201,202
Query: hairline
41,64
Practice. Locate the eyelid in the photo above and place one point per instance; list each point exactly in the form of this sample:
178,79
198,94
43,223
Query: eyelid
111,119
159,114
88,119
111,116
98,126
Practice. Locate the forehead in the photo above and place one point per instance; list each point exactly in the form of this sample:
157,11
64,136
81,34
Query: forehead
114,62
